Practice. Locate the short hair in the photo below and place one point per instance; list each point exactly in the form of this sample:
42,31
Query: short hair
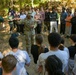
73,37
53,65
63,8
54,39
39,38
9,63
13,42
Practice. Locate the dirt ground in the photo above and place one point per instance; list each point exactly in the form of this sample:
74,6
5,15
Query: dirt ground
4,46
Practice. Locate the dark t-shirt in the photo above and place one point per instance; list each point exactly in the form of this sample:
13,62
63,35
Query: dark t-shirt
72,51
0,71
53,16
34,52
47,18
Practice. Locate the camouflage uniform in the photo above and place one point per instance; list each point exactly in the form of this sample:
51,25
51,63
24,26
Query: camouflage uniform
29,33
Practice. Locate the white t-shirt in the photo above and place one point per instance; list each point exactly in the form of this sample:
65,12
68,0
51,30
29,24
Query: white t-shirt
74,69
1,56
22,16
66,49
22,58
62,55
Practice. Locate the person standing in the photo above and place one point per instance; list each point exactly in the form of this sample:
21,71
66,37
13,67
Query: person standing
38,19
38,48
53,20
62,20
54,40
42,13
68,24
22,17
73,22
10,20
53,65
72,52
22,57
47,19
28,28
9,63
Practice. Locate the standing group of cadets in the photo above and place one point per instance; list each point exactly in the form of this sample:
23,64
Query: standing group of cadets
34,21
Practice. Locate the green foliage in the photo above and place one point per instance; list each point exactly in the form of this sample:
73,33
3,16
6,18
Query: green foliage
36,1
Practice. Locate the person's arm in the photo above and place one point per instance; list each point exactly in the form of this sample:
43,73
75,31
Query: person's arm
40,63
74,69
27,59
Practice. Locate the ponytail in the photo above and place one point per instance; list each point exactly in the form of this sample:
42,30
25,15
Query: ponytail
61,47
41,49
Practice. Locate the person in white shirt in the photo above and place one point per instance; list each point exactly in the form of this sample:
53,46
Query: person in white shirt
22,17
74,68
53,65
1,55
21,56
54,41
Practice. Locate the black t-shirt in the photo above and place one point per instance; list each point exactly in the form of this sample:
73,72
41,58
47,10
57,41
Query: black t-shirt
34,52
73,21
47,18
72,51
0,71
53,16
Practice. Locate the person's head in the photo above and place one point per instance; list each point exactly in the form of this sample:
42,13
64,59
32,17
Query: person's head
69,13
73,38
54,39
53,9
53,65
63,9
13,42
37,11
42,9
47,10
28,16
39,39
9,63
23,13
9,13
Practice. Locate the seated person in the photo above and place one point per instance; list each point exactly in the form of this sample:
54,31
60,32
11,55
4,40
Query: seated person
8,64
37,49
53,65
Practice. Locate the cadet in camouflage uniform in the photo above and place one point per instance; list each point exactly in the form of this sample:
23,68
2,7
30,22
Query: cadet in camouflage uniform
29,31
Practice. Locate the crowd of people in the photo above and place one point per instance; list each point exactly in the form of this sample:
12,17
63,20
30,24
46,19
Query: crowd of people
44,19
55,60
